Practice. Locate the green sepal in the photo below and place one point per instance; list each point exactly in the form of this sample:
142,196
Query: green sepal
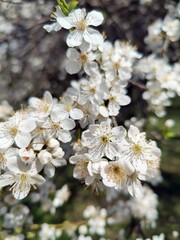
64,7
72,5
67,8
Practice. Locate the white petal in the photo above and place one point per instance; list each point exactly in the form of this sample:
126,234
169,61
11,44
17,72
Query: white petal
6,141
21,190
6,179
27,125
135,188
73,67
76,114
68,124
49,170
93,36
64,136
59,162
73,54
74,38
66,22
94,18
52,27
23,139
91,68
133,132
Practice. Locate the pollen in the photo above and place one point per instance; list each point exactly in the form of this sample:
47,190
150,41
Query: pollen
116,173
117,65
83,57
13,130
68,107
137,149
105,139
2,158
112,99
81,25
92,90
24,179
56,126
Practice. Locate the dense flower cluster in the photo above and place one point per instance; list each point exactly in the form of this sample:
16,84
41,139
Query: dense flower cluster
81,128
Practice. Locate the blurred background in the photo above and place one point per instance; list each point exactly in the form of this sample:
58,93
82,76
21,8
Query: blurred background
32,61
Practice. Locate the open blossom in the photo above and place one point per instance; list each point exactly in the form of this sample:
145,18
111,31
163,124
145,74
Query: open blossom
21,177
138,150
41,107
103,140
114,174
81,169
52,159
83,59
17,129
55,26
67,108
80,22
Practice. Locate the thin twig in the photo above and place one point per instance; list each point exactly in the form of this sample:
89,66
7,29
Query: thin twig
140,85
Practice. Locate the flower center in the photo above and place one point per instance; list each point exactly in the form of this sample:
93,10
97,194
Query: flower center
56,126
23,178
81,25
81,168
92,90
83,57
13,131
68,107
112,99
43,106
117,65
116,173
105,139
137,149
1,157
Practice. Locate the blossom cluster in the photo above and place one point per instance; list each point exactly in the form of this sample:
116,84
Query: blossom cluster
85,126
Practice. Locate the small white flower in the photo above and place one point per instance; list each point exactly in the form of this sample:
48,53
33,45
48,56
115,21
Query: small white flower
41,107
113,174
137,150
84,59
21,177
67,108
80,21
81,169
52,159
55,26
102,140
17,129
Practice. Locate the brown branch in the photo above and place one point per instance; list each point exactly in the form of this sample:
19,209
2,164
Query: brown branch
140,85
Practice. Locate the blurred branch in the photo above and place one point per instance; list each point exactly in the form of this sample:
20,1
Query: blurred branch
140,85
10,2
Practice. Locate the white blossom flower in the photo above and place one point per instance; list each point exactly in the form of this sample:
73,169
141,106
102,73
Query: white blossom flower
52,159
21,177
114,174
81,21
6,155
41,107
102,140
17,129
81,169
67,108
85,58
55,26
137,150
62,195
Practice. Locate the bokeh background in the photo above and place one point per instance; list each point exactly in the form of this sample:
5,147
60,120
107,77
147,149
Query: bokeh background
32,61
